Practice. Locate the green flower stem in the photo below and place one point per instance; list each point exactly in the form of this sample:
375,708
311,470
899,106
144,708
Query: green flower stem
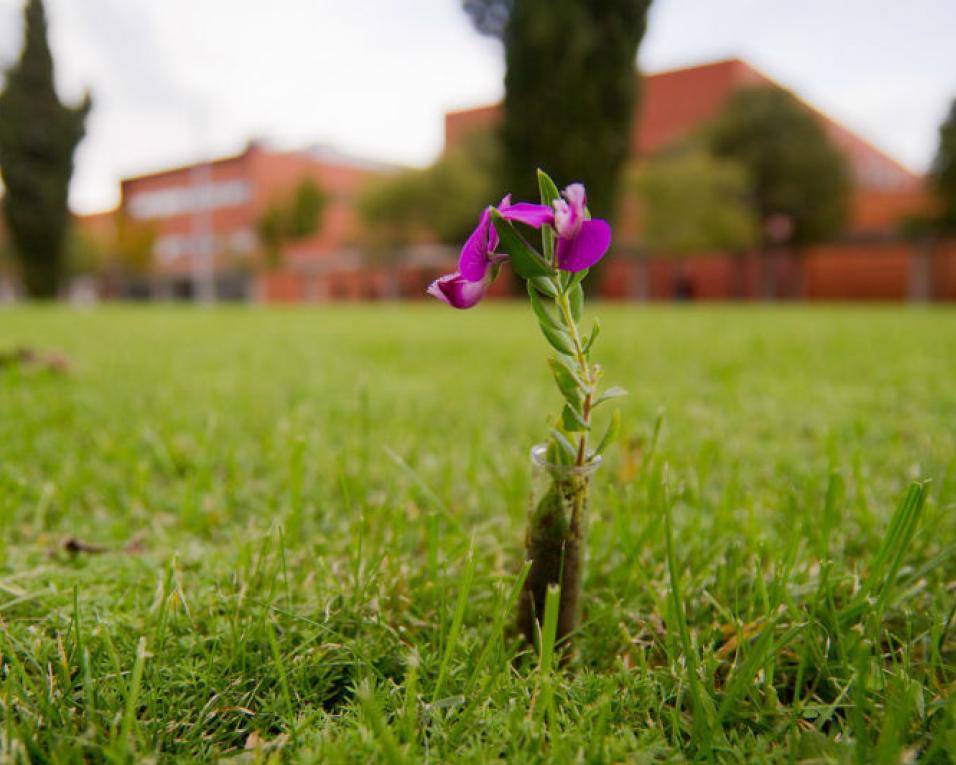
557,529
583,367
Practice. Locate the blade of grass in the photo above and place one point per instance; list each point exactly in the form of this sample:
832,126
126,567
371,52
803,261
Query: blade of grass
549,630
283,679
742,678
410,713
122,741
456,622
704,717
391,752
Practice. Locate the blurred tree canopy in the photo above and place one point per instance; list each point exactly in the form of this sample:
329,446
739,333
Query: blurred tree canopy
441,202
131,251
490,17
796,174
943,173
120,250
84,254
38,136
570,90
287,219
693,202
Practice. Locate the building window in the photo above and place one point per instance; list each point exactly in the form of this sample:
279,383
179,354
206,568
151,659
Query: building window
186,200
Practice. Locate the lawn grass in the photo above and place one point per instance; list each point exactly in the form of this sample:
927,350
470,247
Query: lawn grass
313,519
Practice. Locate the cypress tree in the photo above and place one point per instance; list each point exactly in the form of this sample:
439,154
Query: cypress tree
38,136
943,173
570,90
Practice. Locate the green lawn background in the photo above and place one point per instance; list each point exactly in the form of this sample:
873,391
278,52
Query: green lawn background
299,491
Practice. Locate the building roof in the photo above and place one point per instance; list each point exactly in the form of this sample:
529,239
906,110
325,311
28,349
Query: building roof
318,153
677,101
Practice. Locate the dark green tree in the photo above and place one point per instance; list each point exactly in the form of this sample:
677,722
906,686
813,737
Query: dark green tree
570,90
799,181
38,136
943,174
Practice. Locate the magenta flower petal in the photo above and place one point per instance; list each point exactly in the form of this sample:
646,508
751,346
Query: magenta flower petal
529,214
587,248
473,262
457,291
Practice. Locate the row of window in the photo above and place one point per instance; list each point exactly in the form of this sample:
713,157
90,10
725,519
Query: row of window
174,246
181,200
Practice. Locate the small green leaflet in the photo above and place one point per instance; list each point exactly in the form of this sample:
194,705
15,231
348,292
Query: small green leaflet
612,392
544,285
613,428
544,316
576,299
524,259
572,421
577,277
549,192
564,443
559,339
567,383
594,333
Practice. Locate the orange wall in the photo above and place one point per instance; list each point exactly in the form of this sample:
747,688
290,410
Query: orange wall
868,271
858,272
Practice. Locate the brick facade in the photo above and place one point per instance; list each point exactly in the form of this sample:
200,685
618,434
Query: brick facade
206,217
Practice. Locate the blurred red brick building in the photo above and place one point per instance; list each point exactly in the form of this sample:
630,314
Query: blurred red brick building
205,219
870,261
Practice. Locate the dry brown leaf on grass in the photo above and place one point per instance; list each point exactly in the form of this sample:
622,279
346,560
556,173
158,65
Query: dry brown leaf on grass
35,360
746,632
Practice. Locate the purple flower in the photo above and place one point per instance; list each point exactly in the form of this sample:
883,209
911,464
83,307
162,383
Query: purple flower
459,292
479,254
581,242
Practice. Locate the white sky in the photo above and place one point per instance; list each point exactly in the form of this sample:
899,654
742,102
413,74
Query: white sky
179,79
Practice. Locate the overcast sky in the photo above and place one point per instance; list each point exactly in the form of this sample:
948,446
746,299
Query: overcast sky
179,79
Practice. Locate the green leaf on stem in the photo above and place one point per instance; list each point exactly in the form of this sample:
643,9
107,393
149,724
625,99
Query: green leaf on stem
549,192
567,383
593,336
543,314
576,300
613,428
572,368
572,420
566,446
556,455
558,338
544,285
577,277
525,260
612,392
